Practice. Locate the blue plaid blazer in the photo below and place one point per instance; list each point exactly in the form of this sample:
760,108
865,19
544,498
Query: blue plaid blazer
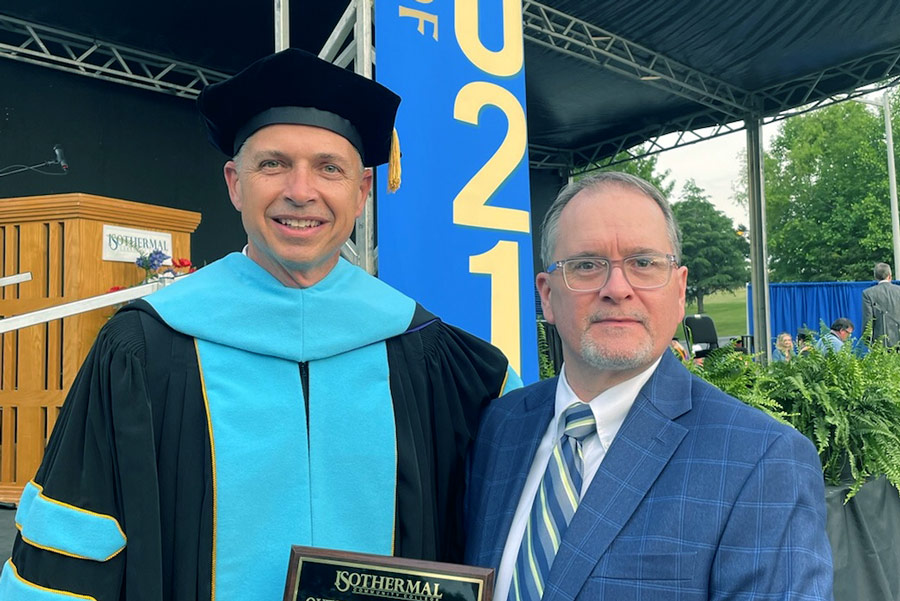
698,497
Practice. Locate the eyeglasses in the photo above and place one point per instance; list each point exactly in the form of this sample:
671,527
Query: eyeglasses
642,272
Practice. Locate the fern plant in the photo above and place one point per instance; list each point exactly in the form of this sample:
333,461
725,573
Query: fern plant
741,376
546,368
849,406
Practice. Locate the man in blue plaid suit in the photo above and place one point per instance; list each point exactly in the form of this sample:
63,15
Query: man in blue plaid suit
678,491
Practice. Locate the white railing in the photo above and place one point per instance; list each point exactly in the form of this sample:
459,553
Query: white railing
109,299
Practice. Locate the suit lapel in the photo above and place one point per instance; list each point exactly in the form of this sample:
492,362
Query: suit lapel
640,451
522,434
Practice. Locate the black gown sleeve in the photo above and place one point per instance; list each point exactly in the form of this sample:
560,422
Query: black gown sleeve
441,379
132,443
100,460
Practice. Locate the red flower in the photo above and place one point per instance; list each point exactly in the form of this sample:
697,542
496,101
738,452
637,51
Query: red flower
181,262
116,289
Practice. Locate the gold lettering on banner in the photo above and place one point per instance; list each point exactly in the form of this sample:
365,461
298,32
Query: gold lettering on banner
423,17
504,62
386,587
502,264
470,205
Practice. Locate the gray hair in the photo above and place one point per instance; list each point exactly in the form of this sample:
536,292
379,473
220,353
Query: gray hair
550,227
882,271
238,157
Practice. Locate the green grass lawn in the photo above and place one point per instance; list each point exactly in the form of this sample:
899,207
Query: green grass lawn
728,311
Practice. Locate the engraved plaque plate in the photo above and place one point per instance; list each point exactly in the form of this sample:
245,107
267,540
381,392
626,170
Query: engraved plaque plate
327,575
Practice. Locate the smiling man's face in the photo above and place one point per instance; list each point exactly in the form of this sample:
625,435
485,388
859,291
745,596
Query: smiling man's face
299,190
616,332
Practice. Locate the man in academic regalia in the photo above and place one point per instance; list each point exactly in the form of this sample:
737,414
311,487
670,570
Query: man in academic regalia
278,396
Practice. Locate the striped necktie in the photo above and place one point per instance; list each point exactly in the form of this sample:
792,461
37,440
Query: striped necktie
554,505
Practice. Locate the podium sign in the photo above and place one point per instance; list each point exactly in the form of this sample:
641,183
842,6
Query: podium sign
457,235
126,244
326,575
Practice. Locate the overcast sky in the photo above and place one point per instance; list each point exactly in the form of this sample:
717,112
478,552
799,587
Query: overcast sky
714,165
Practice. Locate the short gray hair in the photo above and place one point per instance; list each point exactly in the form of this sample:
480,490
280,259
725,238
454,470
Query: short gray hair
882,271
550,227
238,157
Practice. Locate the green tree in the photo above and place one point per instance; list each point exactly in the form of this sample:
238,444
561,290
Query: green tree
739,191
712,249
644,167
827,201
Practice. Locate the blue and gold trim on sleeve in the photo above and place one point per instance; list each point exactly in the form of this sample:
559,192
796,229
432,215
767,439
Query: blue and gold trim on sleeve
62,528
13,586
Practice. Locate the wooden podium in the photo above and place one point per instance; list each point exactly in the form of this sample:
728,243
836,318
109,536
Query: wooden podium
59,239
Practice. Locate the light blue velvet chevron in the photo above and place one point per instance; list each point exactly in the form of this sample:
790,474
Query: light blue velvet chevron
237,303
63,528
279,480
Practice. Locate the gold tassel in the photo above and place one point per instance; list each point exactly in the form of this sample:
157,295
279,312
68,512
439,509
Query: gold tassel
394,164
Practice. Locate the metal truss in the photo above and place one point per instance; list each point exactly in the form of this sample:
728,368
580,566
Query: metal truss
651,140
569,35
548,157
834,83
662,137
65,51
725,104
342,49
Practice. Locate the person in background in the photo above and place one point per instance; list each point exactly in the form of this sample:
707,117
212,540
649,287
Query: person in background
784,348
881,307
804,341
834,340
678,349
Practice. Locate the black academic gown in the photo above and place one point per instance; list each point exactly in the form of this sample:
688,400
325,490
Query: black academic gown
132,442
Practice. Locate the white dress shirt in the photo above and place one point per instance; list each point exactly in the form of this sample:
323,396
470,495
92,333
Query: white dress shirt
609,408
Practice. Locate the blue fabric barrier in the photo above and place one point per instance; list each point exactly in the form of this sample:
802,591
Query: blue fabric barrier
796,305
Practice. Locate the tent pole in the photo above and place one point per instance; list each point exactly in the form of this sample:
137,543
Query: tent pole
759,273
892,179
282,24
365,224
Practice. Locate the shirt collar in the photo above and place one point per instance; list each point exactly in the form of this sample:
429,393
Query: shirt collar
609,407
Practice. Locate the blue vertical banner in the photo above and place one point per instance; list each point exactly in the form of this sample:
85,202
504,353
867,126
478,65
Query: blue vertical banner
457,235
